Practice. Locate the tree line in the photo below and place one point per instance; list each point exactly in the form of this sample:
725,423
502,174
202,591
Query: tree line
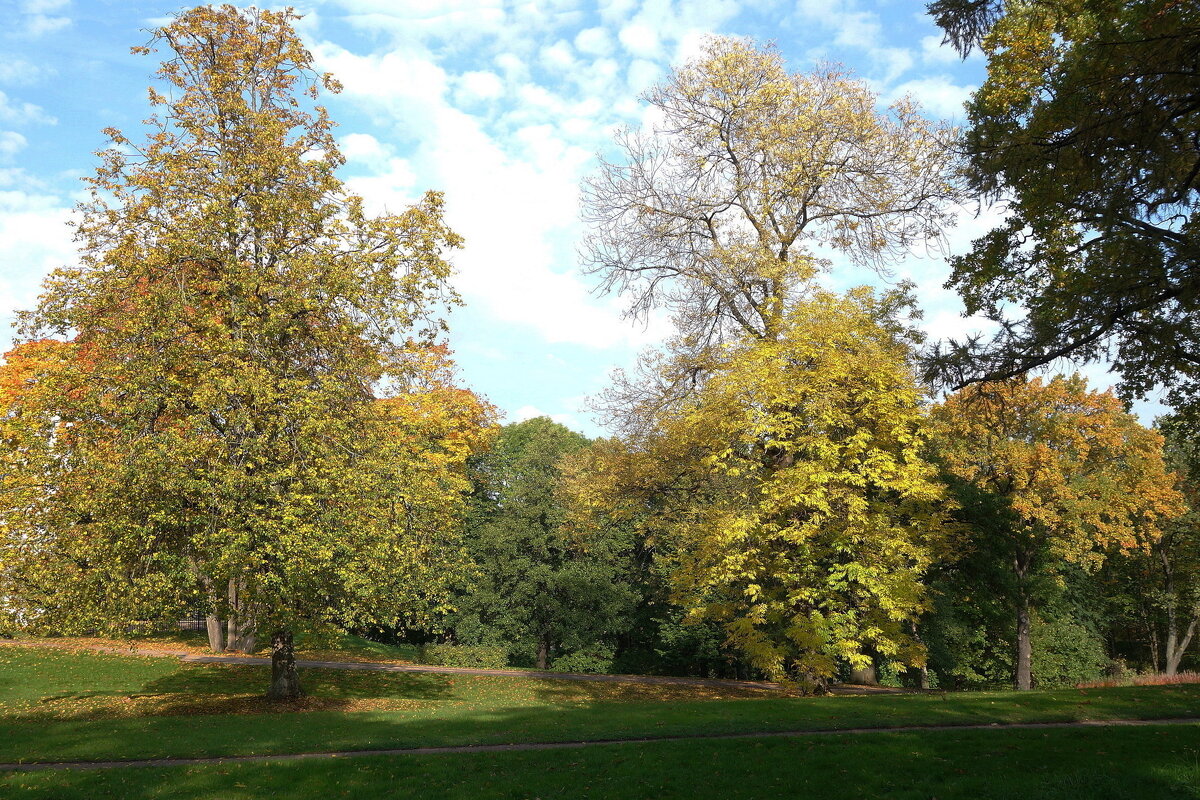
238,401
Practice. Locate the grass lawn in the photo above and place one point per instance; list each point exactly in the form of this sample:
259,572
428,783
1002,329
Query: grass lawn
61,705
1096,764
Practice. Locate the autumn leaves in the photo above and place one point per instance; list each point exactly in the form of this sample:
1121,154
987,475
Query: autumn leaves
236,402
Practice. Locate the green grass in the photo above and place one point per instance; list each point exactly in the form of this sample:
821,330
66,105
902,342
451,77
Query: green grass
1096,764
57,705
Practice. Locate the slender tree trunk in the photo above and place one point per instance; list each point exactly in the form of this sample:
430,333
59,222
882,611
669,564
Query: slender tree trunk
922,672
543,653
216,633
1176,647
285,682
1023,680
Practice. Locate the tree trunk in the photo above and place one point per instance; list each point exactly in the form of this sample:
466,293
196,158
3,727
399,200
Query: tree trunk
865,676
240,635
216,633
1176,647
1023,679
285,682
543,653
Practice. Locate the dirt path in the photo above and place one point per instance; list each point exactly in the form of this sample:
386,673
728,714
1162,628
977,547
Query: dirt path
505,748
189,657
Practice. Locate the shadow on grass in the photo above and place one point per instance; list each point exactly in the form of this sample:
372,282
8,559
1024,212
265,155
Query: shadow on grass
1033,765
220,689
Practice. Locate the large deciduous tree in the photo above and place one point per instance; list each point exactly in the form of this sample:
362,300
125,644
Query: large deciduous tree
1087,130
789,491
236,317
1050,474
1157,585
768,438
713,213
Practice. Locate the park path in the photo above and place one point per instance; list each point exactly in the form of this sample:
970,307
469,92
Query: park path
661,680
505,748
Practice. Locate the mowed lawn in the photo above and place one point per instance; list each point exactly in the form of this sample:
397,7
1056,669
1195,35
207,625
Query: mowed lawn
62,705
1085,764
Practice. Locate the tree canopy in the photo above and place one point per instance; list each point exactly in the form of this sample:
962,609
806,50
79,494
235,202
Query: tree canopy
235,318
1087,133
1054,474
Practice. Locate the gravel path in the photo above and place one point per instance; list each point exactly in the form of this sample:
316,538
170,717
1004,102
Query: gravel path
505,748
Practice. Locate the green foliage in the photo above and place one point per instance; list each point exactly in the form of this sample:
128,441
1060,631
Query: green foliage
596,658
461,655
537,590
789,490
1086,127
1066,652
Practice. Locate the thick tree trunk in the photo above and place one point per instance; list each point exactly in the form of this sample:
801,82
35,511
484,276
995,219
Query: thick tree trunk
216,634
543,653
240,634
285,682
865,676
1023,679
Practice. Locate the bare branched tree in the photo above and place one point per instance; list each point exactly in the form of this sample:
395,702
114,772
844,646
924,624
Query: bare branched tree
713,213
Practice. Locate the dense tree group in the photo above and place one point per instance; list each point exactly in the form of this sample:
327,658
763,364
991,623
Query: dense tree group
238,405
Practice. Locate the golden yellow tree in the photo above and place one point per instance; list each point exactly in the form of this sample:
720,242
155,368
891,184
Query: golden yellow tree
1067,474
791,491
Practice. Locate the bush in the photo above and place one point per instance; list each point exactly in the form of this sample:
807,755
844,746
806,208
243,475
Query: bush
465,656
1066,652
595,659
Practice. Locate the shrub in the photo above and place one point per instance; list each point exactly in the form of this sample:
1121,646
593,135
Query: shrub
1066,652
596,658
466,656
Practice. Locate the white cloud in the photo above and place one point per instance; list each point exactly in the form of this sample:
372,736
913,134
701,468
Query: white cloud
362,147
17,71
19,112
939,94
594,41
40,24
934,52
642,74
516,204
44,6
11,143
479,85
640,40
527,412
420,20
558,56
34,239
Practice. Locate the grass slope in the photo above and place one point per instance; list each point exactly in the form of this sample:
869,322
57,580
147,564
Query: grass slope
1096,764
58,705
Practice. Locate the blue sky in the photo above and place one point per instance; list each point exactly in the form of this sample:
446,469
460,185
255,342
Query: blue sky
501,105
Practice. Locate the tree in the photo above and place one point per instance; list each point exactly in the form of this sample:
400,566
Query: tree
713,213
236,316
1059,475
1087,129
791,491
539,590
1158,583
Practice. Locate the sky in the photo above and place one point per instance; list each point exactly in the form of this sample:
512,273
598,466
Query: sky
502,106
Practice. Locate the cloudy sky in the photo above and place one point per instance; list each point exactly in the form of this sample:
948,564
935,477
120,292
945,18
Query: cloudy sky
502,105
